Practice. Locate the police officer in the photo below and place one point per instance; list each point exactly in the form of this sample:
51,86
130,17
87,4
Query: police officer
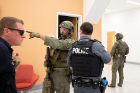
60,74
86,58
119,50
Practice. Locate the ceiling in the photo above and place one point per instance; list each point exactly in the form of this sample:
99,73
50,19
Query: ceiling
120,5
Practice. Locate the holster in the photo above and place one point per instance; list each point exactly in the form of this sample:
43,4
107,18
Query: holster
77,81
102,89
103,86
95,83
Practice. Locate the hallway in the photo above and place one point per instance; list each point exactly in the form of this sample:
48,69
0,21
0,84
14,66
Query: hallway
131,80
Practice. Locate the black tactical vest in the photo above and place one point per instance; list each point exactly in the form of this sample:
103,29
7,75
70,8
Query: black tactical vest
83,63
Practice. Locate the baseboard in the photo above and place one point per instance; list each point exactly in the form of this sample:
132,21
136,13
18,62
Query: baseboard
36,87
133,62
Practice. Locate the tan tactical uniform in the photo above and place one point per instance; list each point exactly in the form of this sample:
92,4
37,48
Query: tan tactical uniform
119,50
60,76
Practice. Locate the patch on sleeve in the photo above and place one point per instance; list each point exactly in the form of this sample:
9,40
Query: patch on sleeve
69,43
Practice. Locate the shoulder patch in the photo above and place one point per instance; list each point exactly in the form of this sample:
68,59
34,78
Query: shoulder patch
69,43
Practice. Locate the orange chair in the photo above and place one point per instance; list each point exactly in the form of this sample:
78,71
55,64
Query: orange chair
25,77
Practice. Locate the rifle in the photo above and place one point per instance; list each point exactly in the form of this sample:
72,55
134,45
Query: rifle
48,70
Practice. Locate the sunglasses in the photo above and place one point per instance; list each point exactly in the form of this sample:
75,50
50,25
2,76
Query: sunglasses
21,31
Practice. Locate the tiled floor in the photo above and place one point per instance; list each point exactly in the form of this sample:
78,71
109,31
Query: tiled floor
131,80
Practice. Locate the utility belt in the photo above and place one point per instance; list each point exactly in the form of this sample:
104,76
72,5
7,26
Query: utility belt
86,82
94,83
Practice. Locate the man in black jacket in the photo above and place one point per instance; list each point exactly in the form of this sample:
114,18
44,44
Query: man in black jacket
11,34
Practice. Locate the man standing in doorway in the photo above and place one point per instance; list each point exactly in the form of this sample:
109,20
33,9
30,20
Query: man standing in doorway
60,73
119,50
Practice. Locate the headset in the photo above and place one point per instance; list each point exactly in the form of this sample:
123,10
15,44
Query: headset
72,28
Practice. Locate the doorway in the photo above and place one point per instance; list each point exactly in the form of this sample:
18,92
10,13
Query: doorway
75,19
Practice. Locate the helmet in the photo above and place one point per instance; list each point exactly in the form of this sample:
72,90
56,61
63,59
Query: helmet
119,36
69,25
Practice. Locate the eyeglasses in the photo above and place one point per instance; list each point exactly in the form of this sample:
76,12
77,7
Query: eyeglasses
64,29
21,31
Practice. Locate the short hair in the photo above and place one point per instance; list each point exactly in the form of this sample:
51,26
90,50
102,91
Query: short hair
9,22
87,28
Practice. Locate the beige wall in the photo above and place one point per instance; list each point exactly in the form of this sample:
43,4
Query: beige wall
40,16
97,31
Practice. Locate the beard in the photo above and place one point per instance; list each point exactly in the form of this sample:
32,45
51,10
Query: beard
64,35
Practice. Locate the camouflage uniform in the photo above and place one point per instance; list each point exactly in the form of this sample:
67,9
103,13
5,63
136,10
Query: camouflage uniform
119,50
60,76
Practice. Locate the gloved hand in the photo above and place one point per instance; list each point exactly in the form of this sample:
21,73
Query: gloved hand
33,34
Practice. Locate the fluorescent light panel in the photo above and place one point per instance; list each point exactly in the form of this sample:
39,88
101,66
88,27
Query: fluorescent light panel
133,2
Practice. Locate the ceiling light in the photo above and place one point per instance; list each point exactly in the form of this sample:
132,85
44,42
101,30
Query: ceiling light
108,10
133,2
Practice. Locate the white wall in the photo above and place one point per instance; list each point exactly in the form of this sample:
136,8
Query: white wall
87,4
128,23
94,9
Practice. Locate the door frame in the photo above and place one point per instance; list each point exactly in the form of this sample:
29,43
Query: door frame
70,15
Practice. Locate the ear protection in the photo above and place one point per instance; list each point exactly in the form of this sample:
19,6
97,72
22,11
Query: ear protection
72,28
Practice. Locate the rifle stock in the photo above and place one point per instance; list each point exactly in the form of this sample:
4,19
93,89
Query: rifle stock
48,70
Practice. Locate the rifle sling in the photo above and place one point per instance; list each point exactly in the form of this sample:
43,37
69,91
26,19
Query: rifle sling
56,58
